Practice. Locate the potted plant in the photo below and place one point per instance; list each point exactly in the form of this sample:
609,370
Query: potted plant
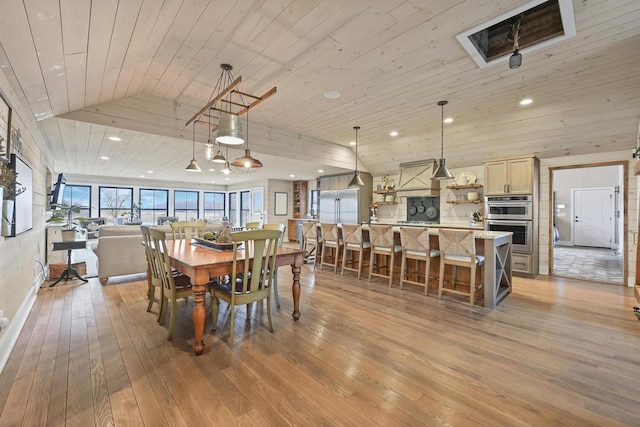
133,214
9,189
63,213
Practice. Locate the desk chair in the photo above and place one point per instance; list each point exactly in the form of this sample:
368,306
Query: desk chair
382,243
253,282
353,242
458,248
415,246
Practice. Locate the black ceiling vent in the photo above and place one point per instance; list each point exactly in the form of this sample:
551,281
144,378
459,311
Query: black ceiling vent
541,23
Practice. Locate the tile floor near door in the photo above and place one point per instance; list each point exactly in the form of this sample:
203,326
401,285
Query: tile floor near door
599,264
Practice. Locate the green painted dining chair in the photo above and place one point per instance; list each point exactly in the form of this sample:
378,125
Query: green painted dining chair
281,228
249,281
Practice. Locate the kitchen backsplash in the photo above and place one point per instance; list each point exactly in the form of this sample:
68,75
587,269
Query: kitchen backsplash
449,213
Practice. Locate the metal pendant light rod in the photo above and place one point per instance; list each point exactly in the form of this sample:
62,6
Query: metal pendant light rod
442,172
357,180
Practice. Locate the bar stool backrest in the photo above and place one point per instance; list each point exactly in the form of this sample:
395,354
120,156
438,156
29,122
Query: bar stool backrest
352,233
329,232
414,239
310,230
381,235
457,242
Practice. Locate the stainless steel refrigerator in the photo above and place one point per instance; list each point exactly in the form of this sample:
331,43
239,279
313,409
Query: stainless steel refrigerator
340,206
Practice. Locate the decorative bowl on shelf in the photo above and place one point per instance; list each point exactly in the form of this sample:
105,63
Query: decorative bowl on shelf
472,196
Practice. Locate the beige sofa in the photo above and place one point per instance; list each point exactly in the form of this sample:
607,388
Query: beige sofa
120,249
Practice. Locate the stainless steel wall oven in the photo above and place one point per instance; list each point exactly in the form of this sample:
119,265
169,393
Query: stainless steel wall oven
514,214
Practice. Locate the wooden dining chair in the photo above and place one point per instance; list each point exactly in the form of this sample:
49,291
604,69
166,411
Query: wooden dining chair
415,246
458,248
250,281
281,228
174,287
253,225
187,229
152,266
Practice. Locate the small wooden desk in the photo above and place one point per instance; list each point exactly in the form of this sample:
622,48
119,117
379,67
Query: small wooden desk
203,264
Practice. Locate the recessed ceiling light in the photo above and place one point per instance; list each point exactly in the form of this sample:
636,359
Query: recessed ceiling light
292,176
332,94
448,120
105,158
141,176
149,171
352,143
213,182
526,101
115,138
320,170
227,179
212,170
394,133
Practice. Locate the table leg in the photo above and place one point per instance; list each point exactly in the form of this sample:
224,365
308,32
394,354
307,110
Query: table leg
199,312
295,287
68,272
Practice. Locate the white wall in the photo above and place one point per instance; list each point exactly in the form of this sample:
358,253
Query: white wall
22,257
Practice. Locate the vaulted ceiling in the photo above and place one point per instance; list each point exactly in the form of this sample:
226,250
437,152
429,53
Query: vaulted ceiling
139,69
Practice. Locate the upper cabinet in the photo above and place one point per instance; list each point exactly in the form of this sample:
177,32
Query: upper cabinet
509,176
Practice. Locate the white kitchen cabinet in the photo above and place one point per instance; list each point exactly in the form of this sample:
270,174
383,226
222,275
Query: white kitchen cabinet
509,176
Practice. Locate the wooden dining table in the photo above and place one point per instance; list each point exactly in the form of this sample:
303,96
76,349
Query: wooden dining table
202,264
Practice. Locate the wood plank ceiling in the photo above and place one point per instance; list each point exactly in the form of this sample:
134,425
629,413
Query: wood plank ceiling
140,69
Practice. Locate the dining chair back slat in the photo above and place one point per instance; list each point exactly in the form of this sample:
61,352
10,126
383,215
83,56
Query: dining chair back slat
187,229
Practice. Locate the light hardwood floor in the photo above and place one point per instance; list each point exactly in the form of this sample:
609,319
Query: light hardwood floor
555,352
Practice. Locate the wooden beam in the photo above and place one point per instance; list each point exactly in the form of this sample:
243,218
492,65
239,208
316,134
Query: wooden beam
266,95
214,100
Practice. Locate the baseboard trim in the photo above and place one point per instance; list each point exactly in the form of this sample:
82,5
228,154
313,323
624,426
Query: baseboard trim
10,337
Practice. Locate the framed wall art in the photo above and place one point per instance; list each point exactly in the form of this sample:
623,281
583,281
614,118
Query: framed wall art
5,127
281,204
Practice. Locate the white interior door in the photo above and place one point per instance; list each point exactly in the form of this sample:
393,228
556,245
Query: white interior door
593,217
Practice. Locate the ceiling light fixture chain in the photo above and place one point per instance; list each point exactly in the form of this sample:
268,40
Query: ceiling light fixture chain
356,181
442,173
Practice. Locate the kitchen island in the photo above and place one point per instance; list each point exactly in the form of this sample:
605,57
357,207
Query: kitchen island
496,248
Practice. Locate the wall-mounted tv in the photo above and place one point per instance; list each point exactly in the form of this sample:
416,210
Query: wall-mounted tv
58,191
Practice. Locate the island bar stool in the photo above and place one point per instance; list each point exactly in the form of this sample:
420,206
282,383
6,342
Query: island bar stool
381,238
415,246
458,248
311,241
353,242
331,240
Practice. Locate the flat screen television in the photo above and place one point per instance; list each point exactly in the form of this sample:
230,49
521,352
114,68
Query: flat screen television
57,192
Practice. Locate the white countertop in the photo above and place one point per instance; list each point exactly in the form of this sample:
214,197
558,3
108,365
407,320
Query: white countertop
478,233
